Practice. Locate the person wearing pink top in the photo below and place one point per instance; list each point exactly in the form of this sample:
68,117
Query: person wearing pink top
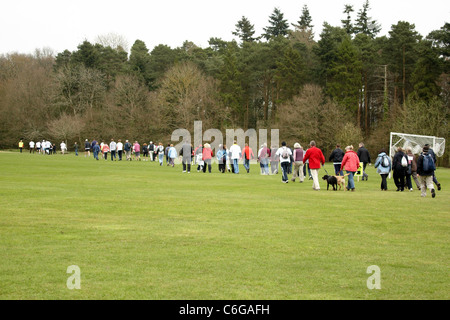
350,163
137,151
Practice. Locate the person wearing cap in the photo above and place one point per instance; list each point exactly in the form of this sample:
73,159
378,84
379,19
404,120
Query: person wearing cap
298,163
426,175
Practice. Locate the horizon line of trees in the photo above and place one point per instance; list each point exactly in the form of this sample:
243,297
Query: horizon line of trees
349,86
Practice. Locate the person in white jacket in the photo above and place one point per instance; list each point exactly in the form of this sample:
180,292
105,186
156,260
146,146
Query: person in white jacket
235,151
63,147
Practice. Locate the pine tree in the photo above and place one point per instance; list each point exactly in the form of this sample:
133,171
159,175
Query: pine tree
365,24
347,23
245,30
278,26
305,20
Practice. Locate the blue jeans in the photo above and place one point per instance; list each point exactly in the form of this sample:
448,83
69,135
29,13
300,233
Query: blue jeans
246,164
351,182
284,169
236,165
161,158
337,170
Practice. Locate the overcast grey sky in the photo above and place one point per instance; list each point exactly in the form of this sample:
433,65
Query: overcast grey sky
26,25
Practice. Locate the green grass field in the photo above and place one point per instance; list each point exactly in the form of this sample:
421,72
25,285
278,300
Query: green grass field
140,231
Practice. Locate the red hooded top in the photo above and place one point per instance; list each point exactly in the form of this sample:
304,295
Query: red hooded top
350,162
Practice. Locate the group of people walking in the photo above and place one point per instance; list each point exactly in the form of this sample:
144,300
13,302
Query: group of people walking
405,166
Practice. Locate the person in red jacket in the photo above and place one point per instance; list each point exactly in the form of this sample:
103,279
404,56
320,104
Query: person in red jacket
247,154
316,158
350,163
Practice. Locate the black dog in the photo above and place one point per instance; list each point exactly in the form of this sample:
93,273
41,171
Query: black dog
331,180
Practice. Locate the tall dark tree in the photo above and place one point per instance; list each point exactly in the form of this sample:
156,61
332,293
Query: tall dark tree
305,21
428,68
344,83
139,61
365,24
326,49
401,54
347,23
245,30
278,26
87,54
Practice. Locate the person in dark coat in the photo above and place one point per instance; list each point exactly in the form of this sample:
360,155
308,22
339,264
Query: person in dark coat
364,157
433,155
336,157
426,174
399,170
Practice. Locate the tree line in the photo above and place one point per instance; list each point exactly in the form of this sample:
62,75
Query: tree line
349,86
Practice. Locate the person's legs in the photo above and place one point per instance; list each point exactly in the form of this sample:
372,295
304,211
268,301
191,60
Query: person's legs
351,182
423,186
236,165
284,169
436,181
246,166
365,175
384,182
402,181
408,182
315,178
430,185
302,177
295,172
337,168
416,180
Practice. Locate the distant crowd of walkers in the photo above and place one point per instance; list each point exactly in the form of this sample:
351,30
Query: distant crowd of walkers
405,166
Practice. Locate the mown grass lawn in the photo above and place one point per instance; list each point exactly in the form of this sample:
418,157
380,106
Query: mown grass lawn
140,231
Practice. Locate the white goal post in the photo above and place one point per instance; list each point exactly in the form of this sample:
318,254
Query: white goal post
416,143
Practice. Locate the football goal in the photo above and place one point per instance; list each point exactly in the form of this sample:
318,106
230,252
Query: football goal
416,143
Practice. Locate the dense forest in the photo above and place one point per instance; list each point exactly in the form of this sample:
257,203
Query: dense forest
351,85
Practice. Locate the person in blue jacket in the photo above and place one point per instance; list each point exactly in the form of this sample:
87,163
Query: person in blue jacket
96,150
383,164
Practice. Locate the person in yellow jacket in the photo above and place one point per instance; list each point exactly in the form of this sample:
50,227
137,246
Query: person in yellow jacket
20,146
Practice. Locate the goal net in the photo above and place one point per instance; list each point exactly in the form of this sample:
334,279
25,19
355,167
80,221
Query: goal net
416,143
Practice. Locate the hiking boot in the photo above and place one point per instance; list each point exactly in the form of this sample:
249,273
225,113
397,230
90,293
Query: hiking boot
439,186
433,193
